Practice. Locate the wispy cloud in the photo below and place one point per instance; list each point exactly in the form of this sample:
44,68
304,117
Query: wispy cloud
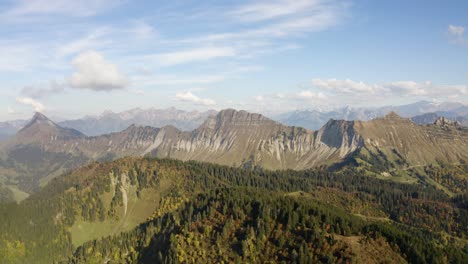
309,95
30,8
457,34
265,10
270,24
36,105
164,80
345,86
194,55
192,98
92,40
330,93
43,90
225,48
397,88
457,31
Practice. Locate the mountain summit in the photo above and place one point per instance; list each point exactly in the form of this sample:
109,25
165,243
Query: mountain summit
41,129
39,119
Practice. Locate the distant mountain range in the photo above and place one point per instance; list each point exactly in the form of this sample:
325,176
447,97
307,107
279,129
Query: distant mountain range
314,119
43,149
9,128
109,122
430,118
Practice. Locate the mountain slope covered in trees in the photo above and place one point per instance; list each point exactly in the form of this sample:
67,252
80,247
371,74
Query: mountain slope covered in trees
167,211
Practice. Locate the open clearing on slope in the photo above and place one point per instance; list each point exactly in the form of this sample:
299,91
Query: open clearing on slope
138,211
371,251
19,195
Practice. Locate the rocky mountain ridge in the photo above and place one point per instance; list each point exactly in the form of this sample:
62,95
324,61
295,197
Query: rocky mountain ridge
234,138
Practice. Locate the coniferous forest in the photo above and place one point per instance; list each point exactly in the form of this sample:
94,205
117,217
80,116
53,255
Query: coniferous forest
203,213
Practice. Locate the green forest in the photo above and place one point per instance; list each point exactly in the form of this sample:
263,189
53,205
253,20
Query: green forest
168,211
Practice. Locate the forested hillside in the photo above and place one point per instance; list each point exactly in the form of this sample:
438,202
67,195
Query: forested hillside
141,210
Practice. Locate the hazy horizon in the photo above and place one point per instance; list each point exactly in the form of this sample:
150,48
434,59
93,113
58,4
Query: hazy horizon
57,118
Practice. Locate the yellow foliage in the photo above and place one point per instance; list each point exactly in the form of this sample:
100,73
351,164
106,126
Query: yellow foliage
13,251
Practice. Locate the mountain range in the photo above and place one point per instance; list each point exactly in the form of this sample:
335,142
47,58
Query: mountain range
109,122
314,119
43,150
422,112
9,128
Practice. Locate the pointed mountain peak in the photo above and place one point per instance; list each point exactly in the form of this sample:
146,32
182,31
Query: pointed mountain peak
41,127
40,118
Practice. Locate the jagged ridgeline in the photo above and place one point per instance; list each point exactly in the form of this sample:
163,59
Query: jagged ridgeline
143,210
391,148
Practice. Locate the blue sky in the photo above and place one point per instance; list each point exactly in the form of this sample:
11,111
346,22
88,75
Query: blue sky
71,58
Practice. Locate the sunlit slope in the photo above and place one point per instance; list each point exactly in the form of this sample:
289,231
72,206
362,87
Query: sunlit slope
418,145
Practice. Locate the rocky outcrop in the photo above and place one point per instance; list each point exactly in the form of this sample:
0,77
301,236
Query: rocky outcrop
446,123
340,135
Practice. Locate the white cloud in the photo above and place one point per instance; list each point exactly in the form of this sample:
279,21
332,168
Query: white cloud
27,8
331,93
191,98
345,86
193,55
350,88
36,105
265,10
457,31
457,34
95,73
143,30
269,21
53,87
312,23
90,41
159,80
259,98
407,88
10,110
308,95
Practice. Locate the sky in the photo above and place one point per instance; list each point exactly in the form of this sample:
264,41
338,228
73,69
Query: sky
69,58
